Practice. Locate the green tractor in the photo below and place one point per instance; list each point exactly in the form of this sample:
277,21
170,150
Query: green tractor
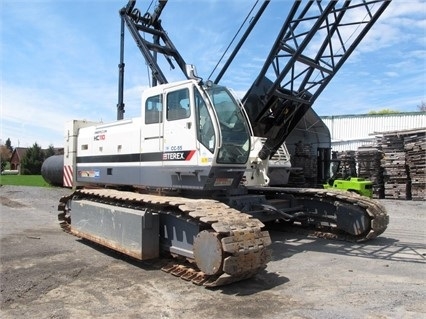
346,182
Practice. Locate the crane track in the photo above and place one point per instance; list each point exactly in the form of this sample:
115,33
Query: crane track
244,244
379,219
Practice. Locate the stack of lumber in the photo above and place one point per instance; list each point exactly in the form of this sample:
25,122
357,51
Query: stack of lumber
396,164
306,159
395,174
415,150
369,167
347,164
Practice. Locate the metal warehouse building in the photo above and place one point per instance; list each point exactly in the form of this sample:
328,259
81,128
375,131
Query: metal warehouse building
348,132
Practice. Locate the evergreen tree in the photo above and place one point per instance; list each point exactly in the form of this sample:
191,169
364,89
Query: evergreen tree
32,161
49,152
9,145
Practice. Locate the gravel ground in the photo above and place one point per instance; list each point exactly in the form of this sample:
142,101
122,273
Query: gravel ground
46,273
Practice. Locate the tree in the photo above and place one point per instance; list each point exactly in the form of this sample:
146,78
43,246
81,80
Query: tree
49,152
33,160
384,111
9,145
5,155
422,107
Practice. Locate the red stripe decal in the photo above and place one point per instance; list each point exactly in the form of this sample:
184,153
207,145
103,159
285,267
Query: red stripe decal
189,156
68,180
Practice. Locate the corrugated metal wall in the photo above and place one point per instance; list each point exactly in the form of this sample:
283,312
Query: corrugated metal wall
348,132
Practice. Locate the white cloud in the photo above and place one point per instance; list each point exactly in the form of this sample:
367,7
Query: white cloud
391,74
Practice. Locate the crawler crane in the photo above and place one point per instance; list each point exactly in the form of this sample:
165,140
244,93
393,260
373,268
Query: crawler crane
188,178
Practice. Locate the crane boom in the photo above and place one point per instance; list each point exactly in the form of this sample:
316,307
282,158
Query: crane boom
313,44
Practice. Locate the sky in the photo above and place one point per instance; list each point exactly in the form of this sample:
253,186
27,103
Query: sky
59,60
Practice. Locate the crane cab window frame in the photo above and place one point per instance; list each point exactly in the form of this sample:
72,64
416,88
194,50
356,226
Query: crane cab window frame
178,105
205,133
154,109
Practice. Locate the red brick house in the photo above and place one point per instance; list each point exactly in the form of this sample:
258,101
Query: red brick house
17,155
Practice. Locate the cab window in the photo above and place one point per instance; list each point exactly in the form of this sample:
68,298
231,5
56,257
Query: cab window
178,105
154,110
205,127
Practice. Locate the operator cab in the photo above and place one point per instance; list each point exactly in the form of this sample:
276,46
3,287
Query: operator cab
210,114
200,130
189,136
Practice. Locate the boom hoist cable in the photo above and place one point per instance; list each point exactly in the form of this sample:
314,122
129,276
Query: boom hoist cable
253,22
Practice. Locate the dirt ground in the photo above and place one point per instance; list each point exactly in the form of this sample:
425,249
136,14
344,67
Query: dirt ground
46,273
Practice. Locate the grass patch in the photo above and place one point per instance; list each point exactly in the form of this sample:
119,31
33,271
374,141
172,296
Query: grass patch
23,180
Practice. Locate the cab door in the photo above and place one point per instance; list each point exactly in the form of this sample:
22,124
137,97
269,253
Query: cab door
152,132
180,141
